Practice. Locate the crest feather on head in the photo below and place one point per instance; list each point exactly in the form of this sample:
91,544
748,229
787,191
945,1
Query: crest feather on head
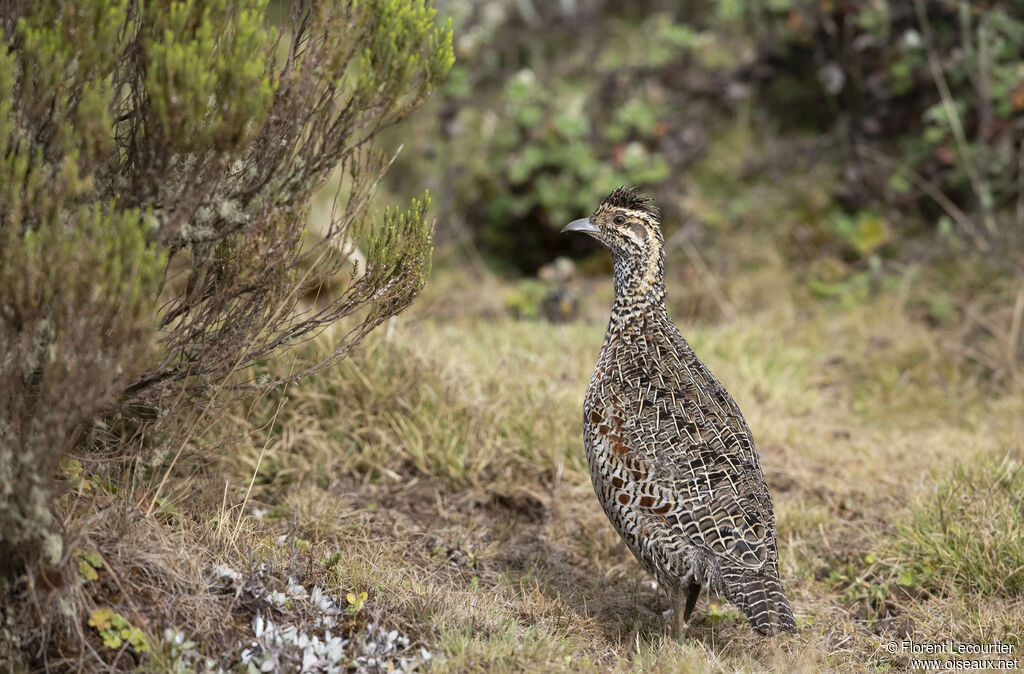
631,198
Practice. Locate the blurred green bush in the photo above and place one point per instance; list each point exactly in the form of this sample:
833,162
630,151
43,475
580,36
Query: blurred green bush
912,111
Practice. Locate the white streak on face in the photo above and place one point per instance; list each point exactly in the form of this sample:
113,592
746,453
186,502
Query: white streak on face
651,268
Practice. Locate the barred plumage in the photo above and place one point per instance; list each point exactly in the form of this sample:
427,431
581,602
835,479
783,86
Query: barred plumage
671,457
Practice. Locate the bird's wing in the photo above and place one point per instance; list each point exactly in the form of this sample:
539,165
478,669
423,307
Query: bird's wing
689,459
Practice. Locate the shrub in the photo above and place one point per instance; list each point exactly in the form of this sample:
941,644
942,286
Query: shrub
533,137
916,107
156,166
923,99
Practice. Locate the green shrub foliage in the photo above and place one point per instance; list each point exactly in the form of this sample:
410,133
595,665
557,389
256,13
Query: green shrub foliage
545,113
925,101
157,161
912,113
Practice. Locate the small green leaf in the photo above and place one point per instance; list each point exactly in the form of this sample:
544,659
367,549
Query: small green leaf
100,618
135,638
87,571
356,602
72,468
111,639
907,578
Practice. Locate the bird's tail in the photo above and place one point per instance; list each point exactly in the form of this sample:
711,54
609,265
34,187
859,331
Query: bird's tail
759,595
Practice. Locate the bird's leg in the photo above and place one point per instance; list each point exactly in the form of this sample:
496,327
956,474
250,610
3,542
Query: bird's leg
683,603
637,573
670,598
691,599
679,619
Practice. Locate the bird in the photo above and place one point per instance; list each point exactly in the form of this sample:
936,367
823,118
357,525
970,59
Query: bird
671,457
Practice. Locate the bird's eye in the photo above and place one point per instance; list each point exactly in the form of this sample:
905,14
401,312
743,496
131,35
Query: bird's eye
619,220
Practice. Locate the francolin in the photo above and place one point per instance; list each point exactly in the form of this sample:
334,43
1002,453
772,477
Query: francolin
671,457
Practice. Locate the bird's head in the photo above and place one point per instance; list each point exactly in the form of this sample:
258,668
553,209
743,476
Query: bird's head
626,222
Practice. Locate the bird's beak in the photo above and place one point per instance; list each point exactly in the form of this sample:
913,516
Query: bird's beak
582,225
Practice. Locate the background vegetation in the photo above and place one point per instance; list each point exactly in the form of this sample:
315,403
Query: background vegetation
192,229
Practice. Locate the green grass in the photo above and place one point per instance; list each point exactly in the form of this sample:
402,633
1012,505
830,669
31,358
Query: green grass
440,470
445,402
967,536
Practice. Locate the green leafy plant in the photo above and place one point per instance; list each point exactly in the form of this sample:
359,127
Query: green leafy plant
525,299
719,614
539,142
88,565
116,631
355,602
157,162
73,473
932,95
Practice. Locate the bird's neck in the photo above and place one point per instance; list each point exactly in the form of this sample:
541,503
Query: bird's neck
639,291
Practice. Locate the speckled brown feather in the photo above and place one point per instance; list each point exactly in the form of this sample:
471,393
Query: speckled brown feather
671,457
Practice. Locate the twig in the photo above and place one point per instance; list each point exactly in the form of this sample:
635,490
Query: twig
682,238
259,461
295,526
1020,184
984,79
953,117
1016,321
929,188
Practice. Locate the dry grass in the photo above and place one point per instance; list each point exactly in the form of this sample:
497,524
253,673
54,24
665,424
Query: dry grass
441,471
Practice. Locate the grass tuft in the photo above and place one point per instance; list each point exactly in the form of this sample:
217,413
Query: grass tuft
967,536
